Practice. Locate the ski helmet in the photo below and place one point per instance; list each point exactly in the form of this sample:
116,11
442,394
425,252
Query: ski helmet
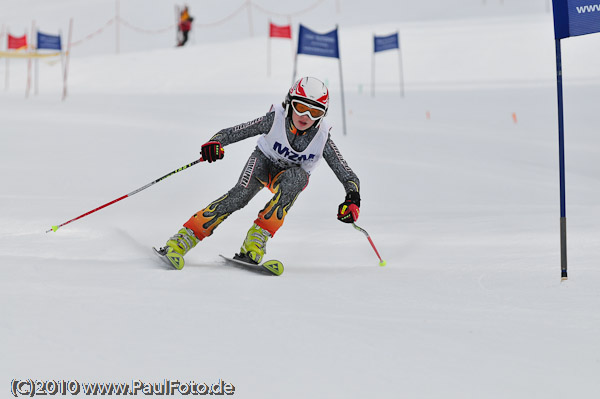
308,96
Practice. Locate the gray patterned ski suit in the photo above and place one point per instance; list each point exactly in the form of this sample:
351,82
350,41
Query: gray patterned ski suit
286,181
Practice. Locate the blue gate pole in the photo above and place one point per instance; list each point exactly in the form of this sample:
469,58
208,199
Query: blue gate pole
561,154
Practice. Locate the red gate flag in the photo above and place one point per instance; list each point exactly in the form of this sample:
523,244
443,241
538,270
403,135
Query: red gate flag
17,43
280,31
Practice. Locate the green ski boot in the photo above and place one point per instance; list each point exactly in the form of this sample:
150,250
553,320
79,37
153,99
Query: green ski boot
177,246
255,244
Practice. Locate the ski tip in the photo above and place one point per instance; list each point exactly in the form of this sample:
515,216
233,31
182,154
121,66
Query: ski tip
274,266
172,259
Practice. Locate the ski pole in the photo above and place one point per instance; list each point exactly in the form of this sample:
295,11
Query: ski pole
381,261
54,228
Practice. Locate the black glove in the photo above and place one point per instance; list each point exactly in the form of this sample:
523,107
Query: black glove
212,151
348,210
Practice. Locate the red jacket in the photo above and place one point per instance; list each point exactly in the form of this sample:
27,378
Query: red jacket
185,26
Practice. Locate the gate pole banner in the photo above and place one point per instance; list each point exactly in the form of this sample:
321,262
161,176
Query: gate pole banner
313,43
571,18
285,32
322,45
50,42
17,43
575,17
383,43
45,42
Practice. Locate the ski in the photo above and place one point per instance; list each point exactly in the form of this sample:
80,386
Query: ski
270,267
172,259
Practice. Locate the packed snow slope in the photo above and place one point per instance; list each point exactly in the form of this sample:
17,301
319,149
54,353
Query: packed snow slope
459,186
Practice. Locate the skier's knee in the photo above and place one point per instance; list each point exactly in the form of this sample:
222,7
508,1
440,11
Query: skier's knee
294,180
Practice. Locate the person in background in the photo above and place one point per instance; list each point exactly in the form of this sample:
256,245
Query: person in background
185,25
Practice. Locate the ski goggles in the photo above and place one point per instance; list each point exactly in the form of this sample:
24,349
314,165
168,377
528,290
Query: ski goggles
304,109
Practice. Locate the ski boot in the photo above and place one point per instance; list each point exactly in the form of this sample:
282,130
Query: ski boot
177,246
254,246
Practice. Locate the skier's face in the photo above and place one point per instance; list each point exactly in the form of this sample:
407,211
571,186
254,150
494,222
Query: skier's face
302,122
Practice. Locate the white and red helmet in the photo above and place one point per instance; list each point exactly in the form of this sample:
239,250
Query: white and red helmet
310,91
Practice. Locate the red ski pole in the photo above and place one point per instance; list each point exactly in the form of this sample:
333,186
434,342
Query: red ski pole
54,228
381,261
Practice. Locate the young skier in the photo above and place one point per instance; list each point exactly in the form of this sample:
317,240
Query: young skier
293,139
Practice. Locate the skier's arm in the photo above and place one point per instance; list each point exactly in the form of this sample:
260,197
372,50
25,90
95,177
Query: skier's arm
338,164
348,210
240,132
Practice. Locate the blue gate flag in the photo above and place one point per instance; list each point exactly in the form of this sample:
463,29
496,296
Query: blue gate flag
383,43
51,42
575,17
313,43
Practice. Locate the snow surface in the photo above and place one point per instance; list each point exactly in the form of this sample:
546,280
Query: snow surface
460,195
